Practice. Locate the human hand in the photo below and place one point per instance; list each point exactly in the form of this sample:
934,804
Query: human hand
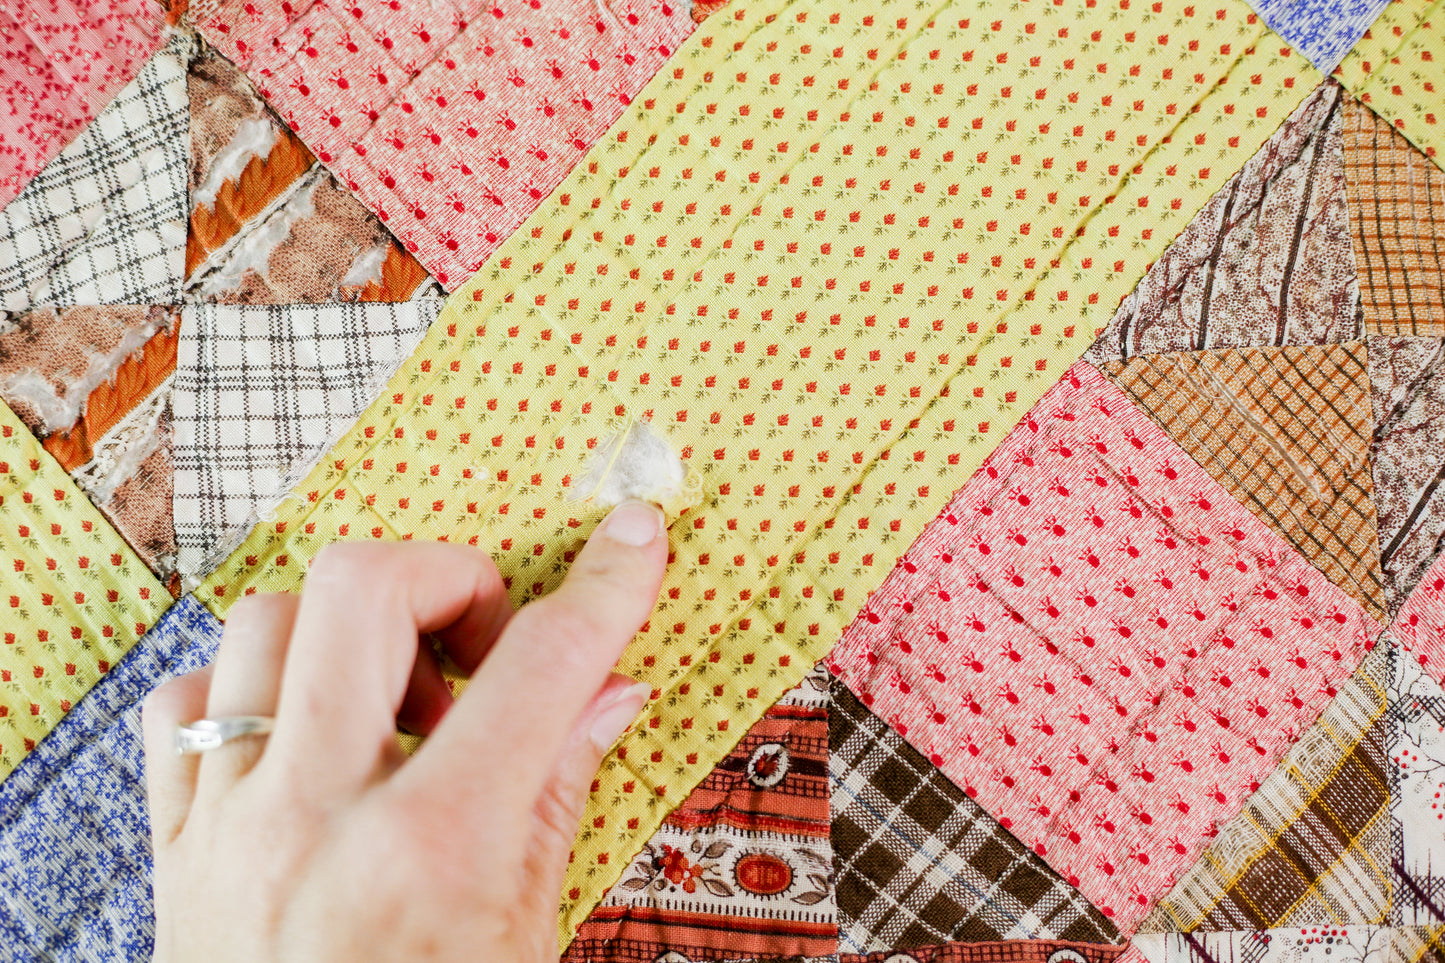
323,841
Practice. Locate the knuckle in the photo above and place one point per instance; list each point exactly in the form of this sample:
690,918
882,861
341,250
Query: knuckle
558,631
352,563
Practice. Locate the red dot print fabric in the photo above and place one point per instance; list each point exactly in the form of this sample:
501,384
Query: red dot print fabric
1101,646
451,122
64,61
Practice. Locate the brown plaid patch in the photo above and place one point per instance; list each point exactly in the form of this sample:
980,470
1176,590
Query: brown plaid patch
1396,197
1312,846
1287,432
918,863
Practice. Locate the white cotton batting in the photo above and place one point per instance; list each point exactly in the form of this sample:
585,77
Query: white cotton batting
637,463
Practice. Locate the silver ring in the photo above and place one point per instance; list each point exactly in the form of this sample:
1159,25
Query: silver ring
203,734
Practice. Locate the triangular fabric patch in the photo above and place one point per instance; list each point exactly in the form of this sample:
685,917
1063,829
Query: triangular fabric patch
743,867
1417,750
1408,397
93,384
918,862
105,222
259,391
268,224
1322,30
1267,261
1397,219
1312,845
64,61
1287,432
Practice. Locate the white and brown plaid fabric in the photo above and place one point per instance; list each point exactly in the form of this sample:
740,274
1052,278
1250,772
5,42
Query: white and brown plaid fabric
1287,432
918,863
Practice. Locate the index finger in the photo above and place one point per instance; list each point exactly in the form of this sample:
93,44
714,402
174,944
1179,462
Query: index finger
357,633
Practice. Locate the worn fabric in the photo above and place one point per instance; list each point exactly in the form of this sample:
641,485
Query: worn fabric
743,867
792,342
920,863
93,384
1312,846
75,596
452,124
259,391
1397,216
65,60
1322,30
104,222
1417,751
75,850
268,223
1101,646
1287,432
1398,71
1266,262
1304,944
1407,378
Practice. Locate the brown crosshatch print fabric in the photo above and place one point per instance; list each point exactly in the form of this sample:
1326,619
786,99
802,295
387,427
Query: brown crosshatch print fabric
1267,260
918,863
1312,846
1287,432
1397,213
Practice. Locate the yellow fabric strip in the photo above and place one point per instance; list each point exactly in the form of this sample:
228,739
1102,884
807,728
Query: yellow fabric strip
834,251
1398,68
73,598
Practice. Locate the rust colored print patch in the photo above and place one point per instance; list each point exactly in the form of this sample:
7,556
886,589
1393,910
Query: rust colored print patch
743,867
268,224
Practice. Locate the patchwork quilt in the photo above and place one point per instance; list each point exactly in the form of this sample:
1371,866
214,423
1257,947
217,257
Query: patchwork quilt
1060,385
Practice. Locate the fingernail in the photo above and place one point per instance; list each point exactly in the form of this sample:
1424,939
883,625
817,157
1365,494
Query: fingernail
618,714
634,523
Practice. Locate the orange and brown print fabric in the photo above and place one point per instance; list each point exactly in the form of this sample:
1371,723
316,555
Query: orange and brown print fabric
1057,575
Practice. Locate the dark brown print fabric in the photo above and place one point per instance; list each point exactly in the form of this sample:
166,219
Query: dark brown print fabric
1407,378
1287,432
1267,261
918,863
1397,215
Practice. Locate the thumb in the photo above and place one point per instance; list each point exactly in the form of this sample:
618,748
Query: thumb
560,804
